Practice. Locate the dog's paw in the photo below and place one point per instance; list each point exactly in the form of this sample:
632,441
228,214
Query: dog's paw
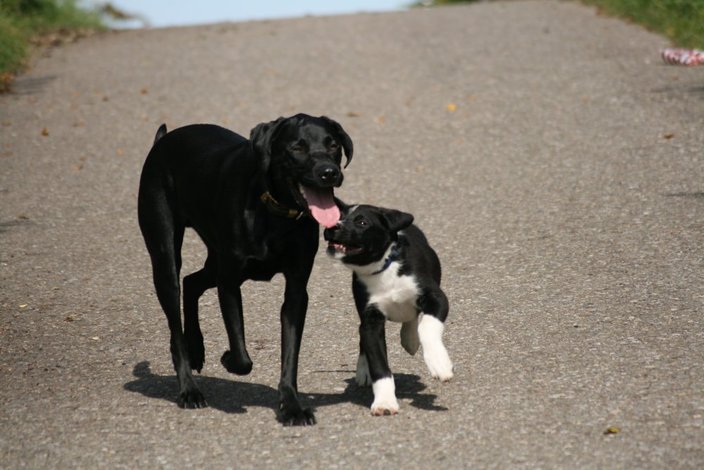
439,363
236,365
364,379
296,416
385,403
196,349
191,398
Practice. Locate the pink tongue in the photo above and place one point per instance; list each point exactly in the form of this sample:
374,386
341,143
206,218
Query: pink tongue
322,206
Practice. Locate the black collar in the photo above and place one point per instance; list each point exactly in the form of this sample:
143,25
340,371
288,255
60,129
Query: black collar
275,207
393,256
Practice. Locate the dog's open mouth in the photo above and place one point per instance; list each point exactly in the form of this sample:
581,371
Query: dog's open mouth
344,249
321,204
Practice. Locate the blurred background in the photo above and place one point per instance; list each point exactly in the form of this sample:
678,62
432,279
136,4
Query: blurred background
164,13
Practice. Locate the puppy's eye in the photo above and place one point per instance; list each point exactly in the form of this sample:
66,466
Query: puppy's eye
361,223
334,146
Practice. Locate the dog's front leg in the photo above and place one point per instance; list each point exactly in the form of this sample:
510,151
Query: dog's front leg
293,314
373,341
236,360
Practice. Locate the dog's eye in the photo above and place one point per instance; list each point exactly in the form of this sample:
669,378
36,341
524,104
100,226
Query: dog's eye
334,146
361,222
299,146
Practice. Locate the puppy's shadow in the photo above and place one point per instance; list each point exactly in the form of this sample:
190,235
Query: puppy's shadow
235,397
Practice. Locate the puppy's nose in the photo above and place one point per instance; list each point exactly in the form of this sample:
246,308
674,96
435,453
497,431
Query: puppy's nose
329,174
328,232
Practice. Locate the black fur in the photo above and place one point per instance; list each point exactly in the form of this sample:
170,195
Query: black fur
213,180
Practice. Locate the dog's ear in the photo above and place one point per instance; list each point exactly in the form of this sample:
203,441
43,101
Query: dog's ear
262,138
161,132
396,220
344,208
342,137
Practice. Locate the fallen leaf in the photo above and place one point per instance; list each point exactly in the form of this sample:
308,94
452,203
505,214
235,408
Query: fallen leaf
144,91
669,135
451,107
23,305
120,152
45,132
612,430
352,114
380,120
69,318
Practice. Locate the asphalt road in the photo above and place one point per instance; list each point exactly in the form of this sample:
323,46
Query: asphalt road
552,159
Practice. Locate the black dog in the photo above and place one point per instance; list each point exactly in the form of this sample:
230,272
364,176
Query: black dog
396,277
256,205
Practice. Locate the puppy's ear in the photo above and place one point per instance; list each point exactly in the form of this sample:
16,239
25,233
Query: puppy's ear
342,137
262,138
397,220
344,208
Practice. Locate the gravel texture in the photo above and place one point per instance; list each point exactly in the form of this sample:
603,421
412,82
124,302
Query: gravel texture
553,160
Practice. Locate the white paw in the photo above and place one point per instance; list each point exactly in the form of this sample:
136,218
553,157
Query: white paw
409,336
363,377
385,402
438,362
435,355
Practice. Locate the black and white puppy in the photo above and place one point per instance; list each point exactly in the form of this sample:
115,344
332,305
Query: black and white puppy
396,277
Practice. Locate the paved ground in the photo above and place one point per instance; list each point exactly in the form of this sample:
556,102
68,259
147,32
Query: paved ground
553,161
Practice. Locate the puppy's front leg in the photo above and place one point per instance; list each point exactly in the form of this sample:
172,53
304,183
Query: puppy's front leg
373,342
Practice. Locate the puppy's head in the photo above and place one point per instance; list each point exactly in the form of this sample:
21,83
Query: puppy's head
364,233
301,156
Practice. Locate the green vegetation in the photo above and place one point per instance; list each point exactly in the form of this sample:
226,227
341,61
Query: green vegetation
25,21
682,21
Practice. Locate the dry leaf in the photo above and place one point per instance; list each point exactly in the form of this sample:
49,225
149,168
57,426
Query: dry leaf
451,107
612,430
45,132
669,135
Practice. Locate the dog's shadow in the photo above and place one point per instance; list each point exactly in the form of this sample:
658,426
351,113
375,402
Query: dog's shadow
231,396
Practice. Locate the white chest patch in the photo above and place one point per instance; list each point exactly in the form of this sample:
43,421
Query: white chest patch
395,296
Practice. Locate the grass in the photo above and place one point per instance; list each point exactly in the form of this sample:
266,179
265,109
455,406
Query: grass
25,22
682,21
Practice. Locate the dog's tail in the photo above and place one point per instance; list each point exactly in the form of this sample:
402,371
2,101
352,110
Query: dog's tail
161,132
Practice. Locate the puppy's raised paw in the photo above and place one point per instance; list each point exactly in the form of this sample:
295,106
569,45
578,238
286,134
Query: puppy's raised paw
439,363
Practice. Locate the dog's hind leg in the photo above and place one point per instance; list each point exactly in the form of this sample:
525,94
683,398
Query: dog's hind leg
409,336
163,237
194,285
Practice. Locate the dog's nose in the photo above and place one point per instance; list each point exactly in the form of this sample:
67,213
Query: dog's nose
329,174
327,233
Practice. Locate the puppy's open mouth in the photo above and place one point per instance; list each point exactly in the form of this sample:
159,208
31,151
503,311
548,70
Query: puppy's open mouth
344,249
321,204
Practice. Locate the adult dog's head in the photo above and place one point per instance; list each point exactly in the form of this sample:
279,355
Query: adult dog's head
300,160
364,233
